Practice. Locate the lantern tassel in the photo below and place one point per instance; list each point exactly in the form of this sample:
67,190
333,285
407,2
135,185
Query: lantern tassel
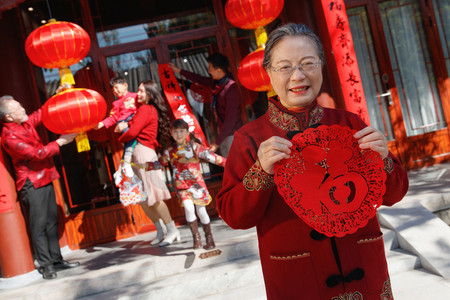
66,76
82,142
261,36
261,39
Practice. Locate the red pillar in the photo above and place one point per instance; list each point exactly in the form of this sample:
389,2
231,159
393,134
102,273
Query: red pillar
15,251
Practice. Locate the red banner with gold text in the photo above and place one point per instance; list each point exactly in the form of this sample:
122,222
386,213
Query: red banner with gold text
344,53
178,102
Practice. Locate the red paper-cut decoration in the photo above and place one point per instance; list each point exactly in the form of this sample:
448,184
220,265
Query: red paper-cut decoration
250,14
251,73
329,182
73,110
57,44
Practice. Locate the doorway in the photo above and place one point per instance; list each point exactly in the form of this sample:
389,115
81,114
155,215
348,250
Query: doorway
403,73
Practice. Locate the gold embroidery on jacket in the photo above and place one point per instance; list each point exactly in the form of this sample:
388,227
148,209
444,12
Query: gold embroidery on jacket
291,122
388,164
349,296
290,257
387,291
369,240
256,178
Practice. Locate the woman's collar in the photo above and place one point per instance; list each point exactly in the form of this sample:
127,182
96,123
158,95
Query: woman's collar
290,120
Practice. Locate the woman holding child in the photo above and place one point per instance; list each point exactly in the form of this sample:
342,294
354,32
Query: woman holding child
150,125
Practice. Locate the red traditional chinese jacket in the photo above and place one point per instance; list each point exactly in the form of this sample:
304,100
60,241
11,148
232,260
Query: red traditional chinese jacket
297,261
31,159
121,109
143,126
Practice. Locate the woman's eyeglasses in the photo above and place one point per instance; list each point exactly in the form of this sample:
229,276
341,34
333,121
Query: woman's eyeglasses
288,70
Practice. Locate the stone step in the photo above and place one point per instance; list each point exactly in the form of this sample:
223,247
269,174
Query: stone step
398,259
389,238
401,261
419,284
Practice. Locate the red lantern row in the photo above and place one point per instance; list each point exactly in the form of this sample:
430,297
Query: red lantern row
74,110
57,44
252,14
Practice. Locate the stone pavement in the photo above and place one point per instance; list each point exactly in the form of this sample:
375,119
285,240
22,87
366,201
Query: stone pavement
417,245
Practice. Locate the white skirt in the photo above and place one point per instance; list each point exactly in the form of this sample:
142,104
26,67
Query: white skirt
153,181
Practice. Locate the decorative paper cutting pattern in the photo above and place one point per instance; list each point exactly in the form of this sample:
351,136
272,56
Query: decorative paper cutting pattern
329,182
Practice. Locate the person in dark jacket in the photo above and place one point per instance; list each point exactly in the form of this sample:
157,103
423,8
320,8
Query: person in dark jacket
226,101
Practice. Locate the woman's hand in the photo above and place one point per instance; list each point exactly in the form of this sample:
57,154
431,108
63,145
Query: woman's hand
121,126
174,68
371,138
272,150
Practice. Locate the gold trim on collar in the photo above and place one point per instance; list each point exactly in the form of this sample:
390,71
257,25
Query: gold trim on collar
289,121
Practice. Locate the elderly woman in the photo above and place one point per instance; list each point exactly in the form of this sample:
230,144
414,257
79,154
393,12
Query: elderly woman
150,125
297,261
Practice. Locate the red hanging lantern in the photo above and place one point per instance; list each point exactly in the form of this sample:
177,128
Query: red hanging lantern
251,72
58,45
251,14
74,110
254,14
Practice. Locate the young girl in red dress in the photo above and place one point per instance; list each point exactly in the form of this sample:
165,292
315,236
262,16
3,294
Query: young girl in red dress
184,155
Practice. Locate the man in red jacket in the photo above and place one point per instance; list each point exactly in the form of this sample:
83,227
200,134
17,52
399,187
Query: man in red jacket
34,175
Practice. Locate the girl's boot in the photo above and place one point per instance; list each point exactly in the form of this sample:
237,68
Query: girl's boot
160,228
172,235
195,234
209,237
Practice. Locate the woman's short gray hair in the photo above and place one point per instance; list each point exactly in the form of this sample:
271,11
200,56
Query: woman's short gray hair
290,29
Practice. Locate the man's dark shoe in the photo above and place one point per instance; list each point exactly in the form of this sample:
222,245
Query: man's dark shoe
62,265
49,272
